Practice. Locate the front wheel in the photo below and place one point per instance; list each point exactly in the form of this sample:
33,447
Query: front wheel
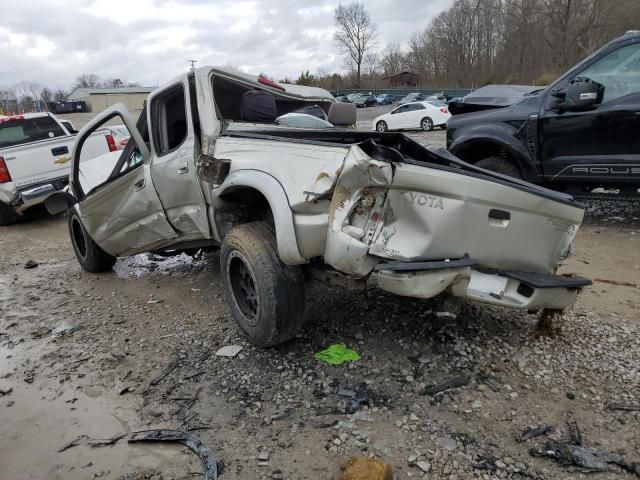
426,124
382,126
90,256
266,297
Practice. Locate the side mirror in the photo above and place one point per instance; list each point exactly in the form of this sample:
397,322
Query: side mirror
583,94
59,202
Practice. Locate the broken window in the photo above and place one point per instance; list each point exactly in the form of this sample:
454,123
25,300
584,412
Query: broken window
169,112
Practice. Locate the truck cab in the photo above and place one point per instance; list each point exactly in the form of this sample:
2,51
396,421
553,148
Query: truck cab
578,134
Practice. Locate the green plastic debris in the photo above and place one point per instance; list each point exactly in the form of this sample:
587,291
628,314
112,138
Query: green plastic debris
337,354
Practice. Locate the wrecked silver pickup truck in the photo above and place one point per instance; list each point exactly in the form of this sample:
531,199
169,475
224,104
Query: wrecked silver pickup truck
210,166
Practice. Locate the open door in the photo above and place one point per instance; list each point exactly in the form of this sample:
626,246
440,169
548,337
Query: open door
117,201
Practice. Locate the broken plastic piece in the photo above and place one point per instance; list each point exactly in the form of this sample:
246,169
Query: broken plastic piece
533,432
337,354
589,458
455,382
192,442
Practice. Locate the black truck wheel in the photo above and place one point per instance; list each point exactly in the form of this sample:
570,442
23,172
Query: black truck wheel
90,256
7,215
266,297
500,165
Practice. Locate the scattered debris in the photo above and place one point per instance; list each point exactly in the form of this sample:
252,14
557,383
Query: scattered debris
357,398
192,442
363,468
63,328
616,283
229,351
447,443
424,465
5,391
590,459
263,456
455,382
128,389
168,369
574,433
102,442
30,264
74,443
337,354
628,407
533,432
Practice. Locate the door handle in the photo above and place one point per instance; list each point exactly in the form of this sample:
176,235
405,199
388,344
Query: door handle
139,185
183,168
59,151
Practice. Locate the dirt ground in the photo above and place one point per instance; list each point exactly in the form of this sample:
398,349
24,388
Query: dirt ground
83,355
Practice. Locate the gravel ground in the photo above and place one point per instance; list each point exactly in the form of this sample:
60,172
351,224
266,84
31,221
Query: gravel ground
83,354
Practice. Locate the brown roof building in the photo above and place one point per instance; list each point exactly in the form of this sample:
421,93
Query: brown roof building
403,79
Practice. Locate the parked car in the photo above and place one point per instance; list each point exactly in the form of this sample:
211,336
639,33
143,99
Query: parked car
35,150
412,116
352,96
411,97
436,101
338,205
120,135
343,98
365,101
385,99
578,134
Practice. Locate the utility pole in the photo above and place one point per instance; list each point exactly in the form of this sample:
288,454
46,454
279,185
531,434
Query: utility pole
193,64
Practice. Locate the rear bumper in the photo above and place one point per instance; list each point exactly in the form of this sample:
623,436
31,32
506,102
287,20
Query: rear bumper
24,197
462,278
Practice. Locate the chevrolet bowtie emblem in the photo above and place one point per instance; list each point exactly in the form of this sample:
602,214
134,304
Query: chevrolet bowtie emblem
64,159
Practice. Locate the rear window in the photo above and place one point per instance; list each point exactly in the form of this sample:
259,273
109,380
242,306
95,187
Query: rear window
25,130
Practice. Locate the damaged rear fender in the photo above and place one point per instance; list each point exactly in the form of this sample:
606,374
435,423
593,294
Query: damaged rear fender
273,191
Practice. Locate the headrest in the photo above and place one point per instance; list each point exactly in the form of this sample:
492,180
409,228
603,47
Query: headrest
342,114
258,106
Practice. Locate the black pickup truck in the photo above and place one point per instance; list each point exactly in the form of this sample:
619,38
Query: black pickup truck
580,133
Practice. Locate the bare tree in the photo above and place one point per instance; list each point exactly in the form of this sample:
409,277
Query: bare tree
88,80
392,60
60,95
355,35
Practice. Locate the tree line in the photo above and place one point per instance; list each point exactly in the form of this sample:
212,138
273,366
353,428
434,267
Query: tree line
27,96
477,42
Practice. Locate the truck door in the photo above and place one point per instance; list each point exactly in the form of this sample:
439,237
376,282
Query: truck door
601,145
173,118
117,202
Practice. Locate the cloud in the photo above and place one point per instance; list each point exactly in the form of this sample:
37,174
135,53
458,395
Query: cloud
150,41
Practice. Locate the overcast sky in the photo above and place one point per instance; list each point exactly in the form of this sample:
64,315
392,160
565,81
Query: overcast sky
149,41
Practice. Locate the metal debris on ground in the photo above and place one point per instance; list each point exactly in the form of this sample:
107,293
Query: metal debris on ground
74,443
357,398
229,351
574,433
533,432
30,264
337,354
103,442
5,391
192,442
627,407
455,382
363,468
62,328
168,369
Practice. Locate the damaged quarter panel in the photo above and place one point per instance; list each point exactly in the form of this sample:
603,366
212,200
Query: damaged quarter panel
356,212
305,174
436,214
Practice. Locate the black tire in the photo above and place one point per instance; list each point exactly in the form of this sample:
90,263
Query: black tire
8,215
90,256
500,165
382,126
426,124
266,297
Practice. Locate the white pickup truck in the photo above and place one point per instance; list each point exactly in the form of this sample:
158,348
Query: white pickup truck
216,161
35,150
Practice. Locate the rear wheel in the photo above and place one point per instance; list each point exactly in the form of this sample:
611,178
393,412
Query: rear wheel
426,124
500,165
382,126
90,256
266,297
7,215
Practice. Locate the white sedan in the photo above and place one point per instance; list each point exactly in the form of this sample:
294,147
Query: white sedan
412,116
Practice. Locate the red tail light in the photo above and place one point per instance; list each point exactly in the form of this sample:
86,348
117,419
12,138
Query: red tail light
111,142
4,172
444,110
